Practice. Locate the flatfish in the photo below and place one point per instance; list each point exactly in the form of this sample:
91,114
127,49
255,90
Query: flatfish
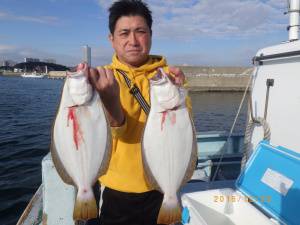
81,140
169,147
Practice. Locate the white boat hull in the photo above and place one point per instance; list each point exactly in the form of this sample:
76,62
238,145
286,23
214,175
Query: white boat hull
33,75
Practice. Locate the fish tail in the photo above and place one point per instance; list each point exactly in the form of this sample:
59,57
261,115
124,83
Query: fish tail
85,205
170,211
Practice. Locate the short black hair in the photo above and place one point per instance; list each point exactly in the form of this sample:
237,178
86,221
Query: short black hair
128,8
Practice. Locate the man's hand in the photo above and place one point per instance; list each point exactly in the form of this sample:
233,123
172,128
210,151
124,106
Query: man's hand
178,77
104,82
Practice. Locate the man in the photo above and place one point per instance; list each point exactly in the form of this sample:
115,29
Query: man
127,198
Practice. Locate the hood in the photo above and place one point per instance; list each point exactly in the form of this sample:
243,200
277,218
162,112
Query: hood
147,69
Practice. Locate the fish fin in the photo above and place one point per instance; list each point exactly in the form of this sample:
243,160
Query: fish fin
149,177
193,159
61,170
151,182
85,206
170,211
109,142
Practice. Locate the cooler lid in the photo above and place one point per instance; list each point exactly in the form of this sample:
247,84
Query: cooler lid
271,180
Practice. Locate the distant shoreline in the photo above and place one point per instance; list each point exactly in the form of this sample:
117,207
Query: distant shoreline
15,74
201,83
51,74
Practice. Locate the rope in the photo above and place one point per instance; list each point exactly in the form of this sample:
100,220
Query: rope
232,128
248,148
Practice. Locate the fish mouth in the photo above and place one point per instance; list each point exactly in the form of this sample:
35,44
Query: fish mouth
78,71
166,93
159,78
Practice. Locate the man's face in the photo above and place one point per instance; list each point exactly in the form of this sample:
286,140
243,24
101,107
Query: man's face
131,40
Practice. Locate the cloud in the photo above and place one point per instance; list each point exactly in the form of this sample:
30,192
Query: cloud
24,18
5,48
281,4
18,54
235,57
191,19
105,4
231,18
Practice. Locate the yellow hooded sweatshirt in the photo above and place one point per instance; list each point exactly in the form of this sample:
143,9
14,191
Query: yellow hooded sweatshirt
125,172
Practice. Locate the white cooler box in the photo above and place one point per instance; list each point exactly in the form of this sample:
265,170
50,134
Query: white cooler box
267,192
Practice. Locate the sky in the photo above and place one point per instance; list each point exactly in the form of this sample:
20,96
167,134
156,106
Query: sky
186,32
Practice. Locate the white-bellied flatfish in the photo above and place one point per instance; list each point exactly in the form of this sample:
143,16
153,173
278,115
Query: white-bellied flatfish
169,146
81,140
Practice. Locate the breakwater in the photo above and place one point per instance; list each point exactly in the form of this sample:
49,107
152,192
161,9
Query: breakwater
217,83
57,74
9,73
205,78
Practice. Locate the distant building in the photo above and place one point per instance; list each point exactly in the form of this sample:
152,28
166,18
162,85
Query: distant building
50,61
87,54
5,63
31,60
16,70
11,62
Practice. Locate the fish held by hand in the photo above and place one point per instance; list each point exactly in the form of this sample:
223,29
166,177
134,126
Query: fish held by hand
169,147
81,140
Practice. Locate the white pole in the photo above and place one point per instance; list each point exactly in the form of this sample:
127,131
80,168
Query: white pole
294,19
